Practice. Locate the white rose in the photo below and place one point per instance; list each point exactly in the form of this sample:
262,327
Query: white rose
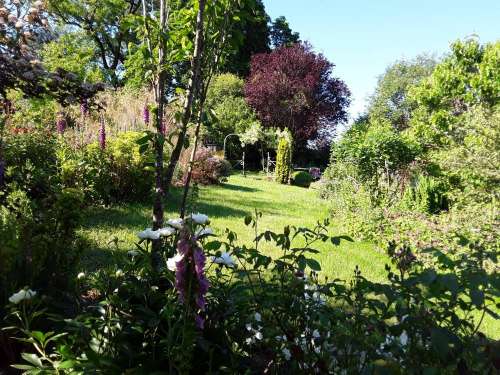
176,223
204,232
199,218
167,231
286,353
23,294
149,234
224,259
172,262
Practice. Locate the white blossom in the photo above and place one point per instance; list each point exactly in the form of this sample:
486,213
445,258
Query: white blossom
316,334
119,273
286,353
167,231
175,223
23,294
403,339
149,234
224,259
133,253
204,232
80,276
258,335
199,218
172,262
258,317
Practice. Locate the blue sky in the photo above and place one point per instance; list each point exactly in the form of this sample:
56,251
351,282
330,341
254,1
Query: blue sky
362,37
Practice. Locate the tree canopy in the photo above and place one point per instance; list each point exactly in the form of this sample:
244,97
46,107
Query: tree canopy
294,87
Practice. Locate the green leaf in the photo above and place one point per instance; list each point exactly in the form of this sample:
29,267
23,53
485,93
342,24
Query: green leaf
477,297
313,264
213,245
23,367
33,359
66,364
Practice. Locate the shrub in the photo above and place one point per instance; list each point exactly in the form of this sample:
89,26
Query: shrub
208,168
31,162
118,173
302,179
39,244
284,160
428,195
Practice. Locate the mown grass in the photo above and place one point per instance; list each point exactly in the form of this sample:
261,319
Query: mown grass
227,205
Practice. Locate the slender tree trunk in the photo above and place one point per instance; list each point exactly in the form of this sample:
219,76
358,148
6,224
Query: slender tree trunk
159,93
192,92
191,163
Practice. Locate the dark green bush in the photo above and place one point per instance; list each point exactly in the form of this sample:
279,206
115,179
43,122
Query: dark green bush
31,162
38,217
302,179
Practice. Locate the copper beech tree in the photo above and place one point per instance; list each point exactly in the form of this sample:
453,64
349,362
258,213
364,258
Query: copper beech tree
293,87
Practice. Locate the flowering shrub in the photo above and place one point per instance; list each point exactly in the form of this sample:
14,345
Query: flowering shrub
235,309
208,168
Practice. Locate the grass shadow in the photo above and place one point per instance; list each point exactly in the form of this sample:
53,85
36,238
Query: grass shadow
226,186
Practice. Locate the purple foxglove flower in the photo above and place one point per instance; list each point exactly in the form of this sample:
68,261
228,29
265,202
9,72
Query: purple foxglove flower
180,279
145,114
200,322
102,135
191,271
61,124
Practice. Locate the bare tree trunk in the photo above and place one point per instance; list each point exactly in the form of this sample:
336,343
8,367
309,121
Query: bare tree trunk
192,92
157,111
191,163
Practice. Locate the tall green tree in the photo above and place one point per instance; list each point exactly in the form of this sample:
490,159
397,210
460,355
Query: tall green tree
390,100
233,115
109,23
281,34
468,77
252,29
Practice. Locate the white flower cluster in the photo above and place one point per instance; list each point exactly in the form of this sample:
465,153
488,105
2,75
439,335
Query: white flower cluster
312,294
256,333
176,224
224,259
23,294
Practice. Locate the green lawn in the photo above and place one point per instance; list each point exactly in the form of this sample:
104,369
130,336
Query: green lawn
227,205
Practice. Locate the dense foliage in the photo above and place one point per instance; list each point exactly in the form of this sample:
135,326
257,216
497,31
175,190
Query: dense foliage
38,217
416,169
301,178
235,309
